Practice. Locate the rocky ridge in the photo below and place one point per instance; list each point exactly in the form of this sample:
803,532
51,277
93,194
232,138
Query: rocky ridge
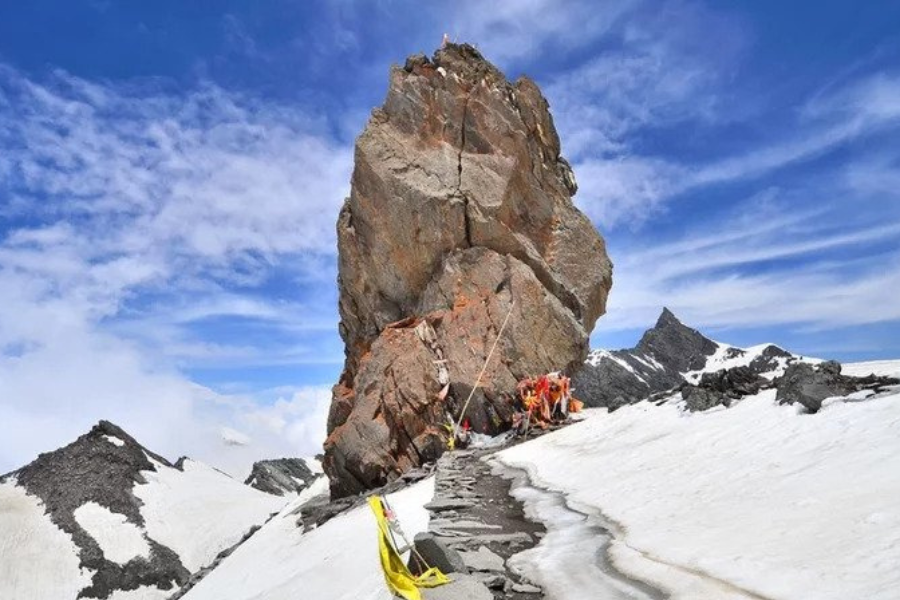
668,356
281,476
460,214
672,357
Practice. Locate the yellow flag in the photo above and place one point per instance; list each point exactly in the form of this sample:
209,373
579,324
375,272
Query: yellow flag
397,576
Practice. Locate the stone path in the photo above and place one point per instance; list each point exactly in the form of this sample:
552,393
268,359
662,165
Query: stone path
475,526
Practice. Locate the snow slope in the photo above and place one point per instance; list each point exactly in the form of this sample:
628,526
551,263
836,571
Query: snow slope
337,561
753,501
199,511
38,560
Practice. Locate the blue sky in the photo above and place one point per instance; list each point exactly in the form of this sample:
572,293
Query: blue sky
170,174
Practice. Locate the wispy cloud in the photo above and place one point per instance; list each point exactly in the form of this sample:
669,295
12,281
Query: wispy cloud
629,188
131,215
767,263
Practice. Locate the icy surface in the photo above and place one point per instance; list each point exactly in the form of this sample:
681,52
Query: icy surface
565,562
199,512
753,501
38,561
119,540
337,561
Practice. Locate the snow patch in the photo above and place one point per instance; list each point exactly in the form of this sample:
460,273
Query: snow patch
315,465
119,540
114,440
198,512
38,560
888,368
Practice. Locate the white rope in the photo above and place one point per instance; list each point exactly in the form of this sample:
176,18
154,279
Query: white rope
483,369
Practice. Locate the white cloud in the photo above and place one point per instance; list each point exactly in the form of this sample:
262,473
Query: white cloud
133,214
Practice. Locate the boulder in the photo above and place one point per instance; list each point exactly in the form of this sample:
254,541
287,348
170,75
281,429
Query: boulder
435,553
809,385
460,213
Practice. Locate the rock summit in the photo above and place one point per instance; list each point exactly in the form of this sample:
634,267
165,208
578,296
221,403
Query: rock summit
460,212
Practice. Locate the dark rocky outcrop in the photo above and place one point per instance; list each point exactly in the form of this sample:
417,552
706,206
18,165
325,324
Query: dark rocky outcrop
809,385
460,212
681,347
281,476
97,468
722,387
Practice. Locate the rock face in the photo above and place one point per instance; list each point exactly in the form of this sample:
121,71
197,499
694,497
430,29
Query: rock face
460,211
669,355
281,476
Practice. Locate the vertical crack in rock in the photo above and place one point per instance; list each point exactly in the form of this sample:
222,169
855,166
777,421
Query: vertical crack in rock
405,260
459,169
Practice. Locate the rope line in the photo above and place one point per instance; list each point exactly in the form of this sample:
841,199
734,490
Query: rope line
483,369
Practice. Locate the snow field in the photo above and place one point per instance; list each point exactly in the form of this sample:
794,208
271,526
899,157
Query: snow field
755,500
199,512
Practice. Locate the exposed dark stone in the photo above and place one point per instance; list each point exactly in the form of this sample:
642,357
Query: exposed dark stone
699,399
683,348
768,359
435,554
617,403
809,385
721,387
281,476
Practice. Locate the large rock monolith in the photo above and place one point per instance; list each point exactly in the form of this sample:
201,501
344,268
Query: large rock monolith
460,212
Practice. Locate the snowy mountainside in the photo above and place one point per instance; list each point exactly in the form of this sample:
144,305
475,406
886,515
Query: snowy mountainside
668,355
106,518
337,561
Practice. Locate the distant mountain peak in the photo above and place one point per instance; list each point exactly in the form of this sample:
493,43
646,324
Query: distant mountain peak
668,355
674,344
